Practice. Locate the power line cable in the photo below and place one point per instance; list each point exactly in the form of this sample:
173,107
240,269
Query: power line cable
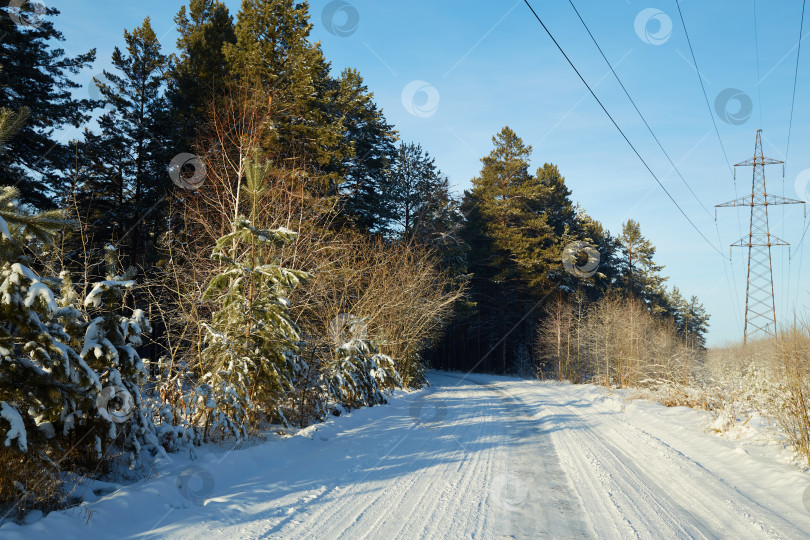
637,109
703,87
756,55
709,107
802,240
657,140
795,79
787,148
799,273
581,78
714,123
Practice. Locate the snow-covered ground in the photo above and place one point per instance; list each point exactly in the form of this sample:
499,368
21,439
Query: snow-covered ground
474,457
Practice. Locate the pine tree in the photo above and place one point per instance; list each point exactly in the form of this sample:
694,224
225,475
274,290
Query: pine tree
34,74
677,310
513,207
689,317
273,55
641,275
200,69
509,239
696,323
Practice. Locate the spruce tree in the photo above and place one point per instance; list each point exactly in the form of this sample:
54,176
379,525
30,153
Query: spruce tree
555,200
419,194
42,379
608,273
366,170
127,161
111,337
35,74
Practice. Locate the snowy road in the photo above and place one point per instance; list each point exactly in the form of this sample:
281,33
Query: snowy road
485,457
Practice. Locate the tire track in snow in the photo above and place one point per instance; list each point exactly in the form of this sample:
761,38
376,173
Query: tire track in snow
389,513
688,508
550,509
357,513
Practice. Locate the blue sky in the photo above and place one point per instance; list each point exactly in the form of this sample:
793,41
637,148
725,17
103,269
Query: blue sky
483,65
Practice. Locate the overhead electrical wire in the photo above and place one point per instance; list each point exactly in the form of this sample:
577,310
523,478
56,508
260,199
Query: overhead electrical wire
637,109
801,258
581,78
795,79
709,107
756,55
705,95
787,147
657,140
802,240
711,115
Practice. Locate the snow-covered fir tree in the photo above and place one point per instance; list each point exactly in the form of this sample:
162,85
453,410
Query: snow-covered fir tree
111,336
251,339
359,374
43,381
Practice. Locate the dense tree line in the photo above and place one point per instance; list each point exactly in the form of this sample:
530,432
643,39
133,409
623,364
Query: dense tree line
516,226
243,240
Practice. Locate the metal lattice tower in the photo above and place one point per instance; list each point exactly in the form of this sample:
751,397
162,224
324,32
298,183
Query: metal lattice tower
760,307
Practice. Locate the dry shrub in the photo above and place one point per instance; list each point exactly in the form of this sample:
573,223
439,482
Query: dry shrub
792,367
770,376
678,395
27,482
615,341
395,288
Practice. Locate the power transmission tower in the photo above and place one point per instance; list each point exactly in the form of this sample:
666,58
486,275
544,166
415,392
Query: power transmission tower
760,307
